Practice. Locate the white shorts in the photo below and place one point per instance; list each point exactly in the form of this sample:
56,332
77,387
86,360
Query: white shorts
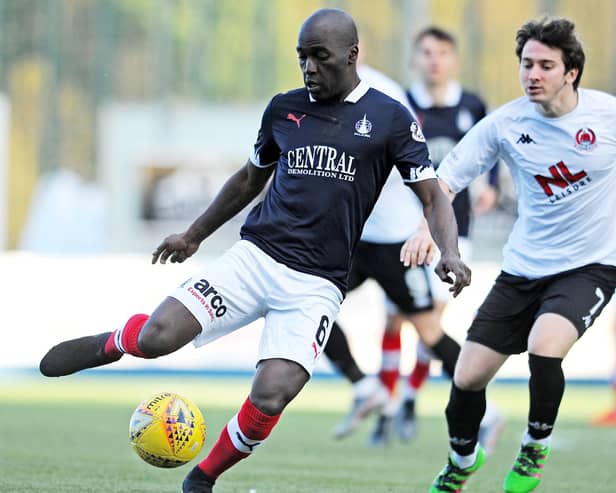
245,284
440,289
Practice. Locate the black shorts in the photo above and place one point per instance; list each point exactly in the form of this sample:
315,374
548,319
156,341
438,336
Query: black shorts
504,320
408,289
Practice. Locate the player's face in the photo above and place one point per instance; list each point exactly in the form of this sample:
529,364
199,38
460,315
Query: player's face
325,65
542,73
435,60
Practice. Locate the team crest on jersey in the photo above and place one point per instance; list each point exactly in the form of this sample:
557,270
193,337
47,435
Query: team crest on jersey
363,127
416,133
585,139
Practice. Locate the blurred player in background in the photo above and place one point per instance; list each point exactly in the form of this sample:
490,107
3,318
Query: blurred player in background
408,298
559,268
396,215
608,418
445,112
330,147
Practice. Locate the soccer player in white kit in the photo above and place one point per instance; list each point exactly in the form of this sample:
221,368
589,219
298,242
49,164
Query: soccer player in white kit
559,268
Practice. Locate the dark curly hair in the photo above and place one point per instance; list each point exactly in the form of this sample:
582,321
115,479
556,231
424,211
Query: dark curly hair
555,33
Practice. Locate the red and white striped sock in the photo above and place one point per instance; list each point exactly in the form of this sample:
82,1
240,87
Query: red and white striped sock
238,439
390,362
125,340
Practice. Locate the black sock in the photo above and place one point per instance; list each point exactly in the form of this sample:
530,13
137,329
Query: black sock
447,350
464,413
338,351
546,386
197,474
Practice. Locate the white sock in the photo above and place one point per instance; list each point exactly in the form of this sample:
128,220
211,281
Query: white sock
526,439
409,393
464,461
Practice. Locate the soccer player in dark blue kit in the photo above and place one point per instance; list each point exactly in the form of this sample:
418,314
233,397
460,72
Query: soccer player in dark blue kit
330,147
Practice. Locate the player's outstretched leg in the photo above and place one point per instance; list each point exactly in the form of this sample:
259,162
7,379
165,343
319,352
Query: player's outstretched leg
88,352
170,327
276,383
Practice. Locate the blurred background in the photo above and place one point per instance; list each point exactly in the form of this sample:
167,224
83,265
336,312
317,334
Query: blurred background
120,119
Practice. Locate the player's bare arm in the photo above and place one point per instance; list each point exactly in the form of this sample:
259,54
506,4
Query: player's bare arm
420,248
440,217
237,192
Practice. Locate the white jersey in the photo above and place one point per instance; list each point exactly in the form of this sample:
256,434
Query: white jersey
564,173
397,212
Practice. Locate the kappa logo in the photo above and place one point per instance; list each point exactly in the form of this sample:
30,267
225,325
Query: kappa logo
585,139
295,119
525,139
363,127
416,133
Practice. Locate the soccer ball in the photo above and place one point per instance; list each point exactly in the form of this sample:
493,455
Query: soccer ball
167,430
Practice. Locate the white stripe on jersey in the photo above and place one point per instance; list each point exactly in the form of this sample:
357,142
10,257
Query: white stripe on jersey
240,441
564,172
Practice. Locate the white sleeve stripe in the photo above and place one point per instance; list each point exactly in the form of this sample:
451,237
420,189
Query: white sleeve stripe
240,441
419,174
254,159
420,178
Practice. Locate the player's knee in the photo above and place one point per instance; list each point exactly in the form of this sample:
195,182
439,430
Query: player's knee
157,338
469,379
270,403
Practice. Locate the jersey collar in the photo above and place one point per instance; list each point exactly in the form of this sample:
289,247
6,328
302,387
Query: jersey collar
422,97
355,95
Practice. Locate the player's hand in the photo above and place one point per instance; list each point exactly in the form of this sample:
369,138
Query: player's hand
175,248
418,249
453,271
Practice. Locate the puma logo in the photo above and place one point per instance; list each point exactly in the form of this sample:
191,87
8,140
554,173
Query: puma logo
293,118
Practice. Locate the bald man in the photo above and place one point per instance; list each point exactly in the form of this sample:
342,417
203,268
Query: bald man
333,144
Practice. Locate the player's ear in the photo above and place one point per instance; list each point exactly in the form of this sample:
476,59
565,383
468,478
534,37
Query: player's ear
353,54
571,75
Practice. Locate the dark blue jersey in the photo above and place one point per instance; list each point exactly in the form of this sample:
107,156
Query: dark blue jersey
443,127
332,161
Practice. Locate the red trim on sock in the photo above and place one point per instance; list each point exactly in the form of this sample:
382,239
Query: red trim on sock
390,362
253,423
419,374
110,346
130,334
222,456
389,378
391,341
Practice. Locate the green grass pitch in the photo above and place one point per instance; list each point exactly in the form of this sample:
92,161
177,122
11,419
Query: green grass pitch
71,435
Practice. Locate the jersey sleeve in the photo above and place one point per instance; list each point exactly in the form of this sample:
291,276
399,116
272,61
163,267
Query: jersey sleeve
475,154
266,152
407,148
494,171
